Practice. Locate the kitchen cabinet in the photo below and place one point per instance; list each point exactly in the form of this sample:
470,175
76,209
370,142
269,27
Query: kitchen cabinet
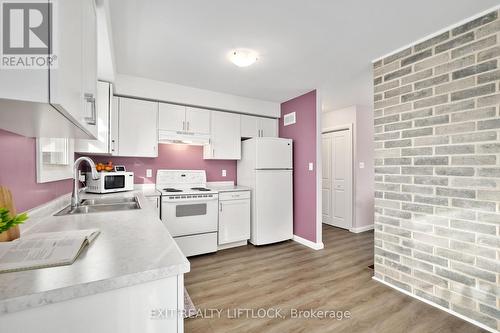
234,217
172,117
127,309
156,203
197,120
225,137
103,144
57,100
252,126
179,118
137,128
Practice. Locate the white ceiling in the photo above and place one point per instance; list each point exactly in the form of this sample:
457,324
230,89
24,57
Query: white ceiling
303,44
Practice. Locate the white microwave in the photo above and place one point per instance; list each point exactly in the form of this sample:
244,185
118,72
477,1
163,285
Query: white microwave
110,182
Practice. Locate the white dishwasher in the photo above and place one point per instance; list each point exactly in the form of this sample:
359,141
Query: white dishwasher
234,218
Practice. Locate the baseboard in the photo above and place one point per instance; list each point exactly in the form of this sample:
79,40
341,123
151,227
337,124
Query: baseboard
362,229
456,314
308,243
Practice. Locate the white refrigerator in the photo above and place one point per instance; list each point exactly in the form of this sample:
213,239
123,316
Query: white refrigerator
266,166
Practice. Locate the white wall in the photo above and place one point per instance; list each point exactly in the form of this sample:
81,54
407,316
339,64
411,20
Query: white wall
132,86
361,118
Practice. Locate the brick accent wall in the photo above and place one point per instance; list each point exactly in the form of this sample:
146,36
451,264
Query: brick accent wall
437,169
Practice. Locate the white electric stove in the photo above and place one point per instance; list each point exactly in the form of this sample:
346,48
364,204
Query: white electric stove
189,210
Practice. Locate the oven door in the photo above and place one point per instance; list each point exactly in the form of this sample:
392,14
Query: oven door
190,216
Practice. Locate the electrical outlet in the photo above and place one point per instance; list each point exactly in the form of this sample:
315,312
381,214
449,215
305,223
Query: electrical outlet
361,165
149,173
224,173
81,176
311,166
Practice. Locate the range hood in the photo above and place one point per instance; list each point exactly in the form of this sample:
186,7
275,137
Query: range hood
183,138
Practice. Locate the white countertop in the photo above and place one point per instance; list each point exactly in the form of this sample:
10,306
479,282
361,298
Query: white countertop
229,188
133,247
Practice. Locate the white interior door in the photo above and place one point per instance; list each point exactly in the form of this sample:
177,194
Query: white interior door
326,183
341,179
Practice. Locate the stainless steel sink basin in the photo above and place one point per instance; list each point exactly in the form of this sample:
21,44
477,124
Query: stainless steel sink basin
108,201
102,205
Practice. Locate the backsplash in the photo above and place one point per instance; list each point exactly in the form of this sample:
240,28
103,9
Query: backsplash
173,156
18,168
18,173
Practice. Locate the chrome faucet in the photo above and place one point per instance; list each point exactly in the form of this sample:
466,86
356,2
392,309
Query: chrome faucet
75,200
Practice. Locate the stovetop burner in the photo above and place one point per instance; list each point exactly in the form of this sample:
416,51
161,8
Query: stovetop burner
169,189
202,189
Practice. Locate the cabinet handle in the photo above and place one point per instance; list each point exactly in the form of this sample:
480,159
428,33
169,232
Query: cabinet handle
92,120
187,126
112,145
183,125
220,205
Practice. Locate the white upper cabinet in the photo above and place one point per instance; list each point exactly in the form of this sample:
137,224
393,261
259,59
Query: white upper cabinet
268,127
104,119
73,79
197,120
252,126
249,126
172,117
225,137
179,118
137,128
57,100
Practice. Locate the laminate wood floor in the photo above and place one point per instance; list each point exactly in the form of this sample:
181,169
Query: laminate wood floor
291,276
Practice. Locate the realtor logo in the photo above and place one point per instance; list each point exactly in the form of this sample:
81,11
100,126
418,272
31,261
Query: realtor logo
27,34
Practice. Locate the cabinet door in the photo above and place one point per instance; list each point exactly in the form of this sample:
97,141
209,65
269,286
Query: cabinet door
90,65
72,41
138,128
103,105
249,126
268,127
113,126
155,202
197,120
234,221
172,117
225,142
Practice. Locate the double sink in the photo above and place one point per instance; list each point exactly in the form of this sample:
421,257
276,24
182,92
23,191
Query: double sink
101,205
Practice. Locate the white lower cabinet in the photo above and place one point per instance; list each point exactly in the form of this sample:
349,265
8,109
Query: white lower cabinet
149,307
137,127
234,217
156,203
225,137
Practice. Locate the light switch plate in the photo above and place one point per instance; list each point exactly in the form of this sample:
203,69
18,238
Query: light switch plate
224,173
311,166
149,173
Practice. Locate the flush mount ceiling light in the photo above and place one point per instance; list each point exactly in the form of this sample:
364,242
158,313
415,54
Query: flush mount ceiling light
243,57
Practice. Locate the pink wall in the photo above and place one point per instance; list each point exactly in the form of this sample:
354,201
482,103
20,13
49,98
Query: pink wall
172,156
304,135
18,173
18,168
